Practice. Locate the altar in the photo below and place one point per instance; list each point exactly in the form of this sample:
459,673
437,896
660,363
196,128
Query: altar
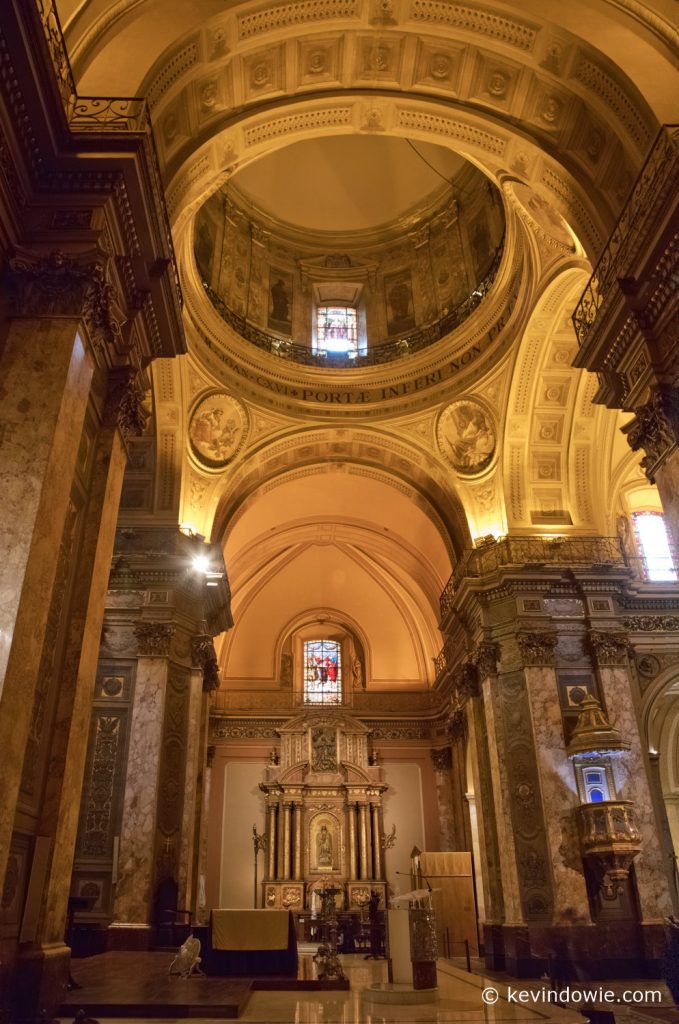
324,823
247,943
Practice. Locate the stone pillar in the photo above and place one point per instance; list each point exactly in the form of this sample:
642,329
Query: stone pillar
363,840
441,760
376,841
651,869
46,375
271,844
298,841
196,741
353,866
136,866
201,898
655,429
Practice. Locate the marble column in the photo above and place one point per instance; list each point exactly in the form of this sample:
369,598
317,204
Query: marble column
298,841
271,845
651,868
201,898
280,863
46,375
491,883
363,840
134,891
353,866
376,841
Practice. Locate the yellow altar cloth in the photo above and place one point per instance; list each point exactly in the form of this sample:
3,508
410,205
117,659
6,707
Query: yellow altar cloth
250,929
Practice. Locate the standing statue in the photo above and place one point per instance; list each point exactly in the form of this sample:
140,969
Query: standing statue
324,848
323,750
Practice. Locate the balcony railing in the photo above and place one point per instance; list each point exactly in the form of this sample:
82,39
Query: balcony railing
578,552
403,345
98,114
657,182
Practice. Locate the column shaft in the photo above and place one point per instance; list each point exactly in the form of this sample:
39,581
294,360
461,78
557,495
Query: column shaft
353,867
287,839
298,841
271,844
377,849
364,848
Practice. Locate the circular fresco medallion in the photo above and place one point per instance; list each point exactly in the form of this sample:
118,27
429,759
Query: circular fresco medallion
551,222
466,437
217,429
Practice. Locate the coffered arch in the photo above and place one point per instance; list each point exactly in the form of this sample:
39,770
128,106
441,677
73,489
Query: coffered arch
505,87
557,442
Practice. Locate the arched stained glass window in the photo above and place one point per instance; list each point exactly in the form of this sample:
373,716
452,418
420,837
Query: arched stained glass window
322,672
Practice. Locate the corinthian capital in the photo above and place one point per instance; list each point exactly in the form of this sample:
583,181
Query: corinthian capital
153,638
125,401
537,648
608,648
655,428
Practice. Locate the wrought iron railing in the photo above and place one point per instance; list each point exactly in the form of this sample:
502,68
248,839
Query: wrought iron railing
98,114
658,179
533,551
403,345
448,656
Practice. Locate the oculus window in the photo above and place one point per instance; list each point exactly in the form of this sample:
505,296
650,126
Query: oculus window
337,330
653,545
322,672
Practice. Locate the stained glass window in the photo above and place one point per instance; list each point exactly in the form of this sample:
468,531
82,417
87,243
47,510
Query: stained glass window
322,672
654,547
337,330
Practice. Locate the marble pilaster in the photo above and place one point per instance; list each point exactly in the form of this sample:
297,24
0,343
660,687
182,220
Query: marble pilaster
271,845
137,839
498,757
46,375
68,744
298,841
363,840
441,760
195,752
376,837
632,783
558,792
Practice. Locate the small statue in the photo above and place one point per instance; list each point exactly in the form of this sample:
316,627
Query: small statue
188,958
373,759
274,759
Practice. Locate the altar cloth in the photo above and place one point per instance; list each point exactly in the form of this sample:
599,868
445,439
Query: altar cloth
250,929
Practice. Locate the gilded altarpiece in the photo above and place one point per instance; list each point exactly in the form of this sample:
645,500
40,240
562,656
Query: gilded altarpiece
324,814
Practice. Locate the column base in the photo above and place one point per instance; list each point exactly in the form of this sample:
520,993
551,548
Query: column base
123,935
624,949
41,982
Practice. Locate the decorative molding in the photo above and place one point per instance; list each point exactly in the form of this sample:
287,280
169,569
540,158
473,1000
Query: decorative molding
651,623
655,428
285,15
457,725
537,648
154,638
474,19
442,759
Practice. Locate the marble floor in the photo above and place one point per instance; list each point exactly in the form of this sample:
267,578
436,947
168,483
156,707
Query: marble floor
459,1000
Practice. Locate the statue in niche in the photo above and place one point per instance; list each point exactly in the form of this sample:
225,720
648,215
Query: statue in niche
357,669
323,750
324,848
286,670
